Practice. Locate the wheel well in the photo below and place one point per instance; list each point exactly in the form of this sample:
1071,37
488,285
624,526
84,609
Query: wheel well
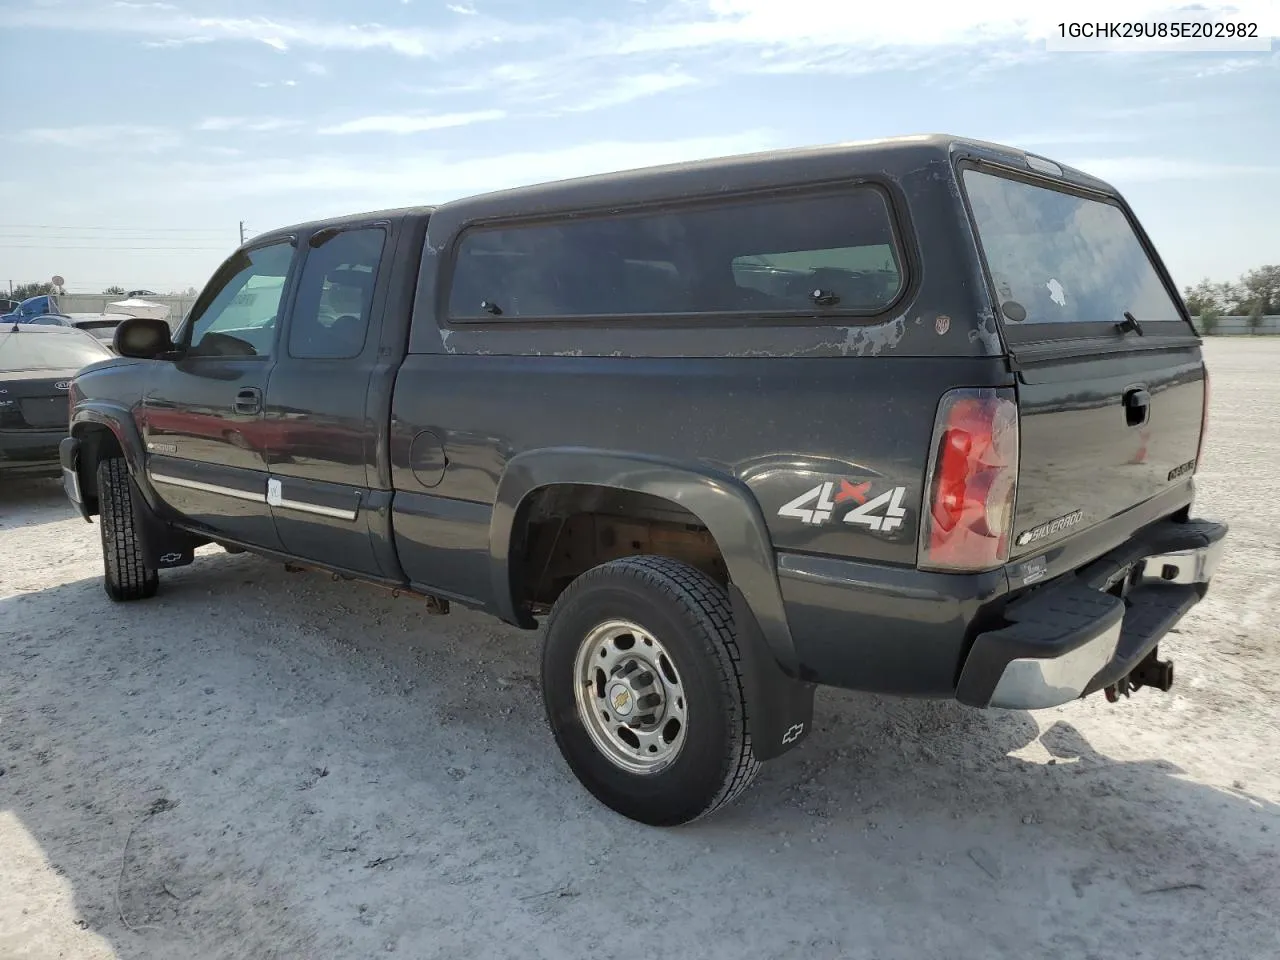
96,443
564,530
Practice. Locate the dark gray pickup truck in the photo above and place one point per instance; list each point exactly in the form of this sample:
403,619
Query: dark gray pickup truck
917,416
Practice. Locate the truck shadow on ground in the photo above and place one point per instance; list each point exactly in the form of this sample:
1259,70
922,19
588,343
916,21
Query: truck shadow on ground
305,768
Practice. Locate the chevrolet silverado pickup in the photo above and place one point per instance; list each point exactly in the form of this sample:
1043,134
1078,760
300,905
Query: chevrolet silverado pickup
919,416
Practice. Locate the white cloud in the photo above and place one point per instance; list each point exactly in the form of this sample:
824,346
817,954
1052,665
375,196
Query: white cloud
464,34
275,43
411,123
259,125
1134,169
375,180
818,24
106,137
681,25
315,69
626,89
1238,65
1060,138
175,42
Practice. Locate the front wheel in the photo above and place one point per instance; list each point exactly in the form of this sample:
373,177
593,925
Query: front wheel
643,690
127,575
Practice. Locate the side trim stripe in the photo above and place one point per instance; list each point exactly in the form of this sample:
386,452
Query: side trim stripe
335,512
209,488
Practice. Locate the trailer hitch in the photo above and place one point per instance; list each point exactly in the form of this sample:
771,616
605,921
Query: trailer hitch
1150,672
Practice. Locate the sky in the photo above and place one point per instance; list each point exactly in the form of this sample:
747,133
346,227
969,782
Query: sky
140,134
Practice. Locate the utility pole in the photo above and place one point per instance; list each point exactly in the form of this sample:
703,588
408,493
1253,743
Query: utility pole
242,233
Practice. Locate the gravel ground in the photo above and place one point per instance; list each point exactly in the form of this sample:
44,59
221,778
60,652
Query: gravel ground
263,764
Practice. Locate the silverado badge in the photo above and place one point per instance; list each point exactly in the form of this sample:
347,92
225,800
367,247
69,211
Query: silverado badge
1050,528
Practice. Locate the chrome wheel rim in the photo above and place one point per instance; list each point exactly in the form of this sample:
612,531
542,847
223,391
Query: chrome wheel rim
630,698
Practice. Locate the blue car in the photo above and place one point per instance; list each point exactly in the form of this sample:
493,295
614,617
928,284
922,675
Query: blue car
45,305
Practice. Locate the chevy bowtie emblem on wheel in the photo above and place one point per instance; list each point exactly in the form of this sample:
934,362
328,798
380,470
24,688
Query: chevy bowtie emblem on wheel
793,733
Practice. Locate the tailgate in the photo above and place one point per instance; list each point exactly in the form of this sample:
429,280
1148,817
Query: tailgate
1112,384
1100,435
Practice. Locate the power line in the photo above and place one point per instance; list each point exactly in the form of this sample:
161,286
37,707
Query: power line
46,226
107,246
84,238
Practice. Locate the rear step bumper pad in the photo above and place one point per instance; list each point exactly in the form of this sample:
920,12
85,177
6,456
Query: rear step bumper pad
1071,638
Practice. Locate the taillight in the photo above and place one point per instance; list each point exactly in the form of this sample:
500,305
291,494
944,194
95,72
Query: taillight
972,482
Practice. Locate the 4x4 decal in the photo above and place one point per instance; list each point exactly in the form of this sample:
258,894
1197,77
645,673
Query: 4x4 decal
815,507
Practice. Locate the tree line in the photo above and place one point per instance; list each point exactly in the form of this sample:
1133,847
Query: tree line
22,291
1255,295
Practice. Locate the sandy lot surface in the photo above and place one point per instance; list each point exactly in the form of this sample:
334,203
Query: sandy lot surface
262,764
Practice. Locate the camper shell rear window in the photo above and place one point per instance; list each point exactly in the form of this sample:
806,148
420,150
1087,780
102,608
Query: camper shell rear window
1064,264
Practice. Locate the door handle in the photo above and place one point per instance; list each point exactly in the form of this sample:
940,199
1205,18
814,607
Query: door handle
1137,406
249,400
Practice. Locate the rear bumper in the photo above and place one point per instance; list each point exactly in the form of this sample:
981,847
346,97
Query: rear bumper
1076,635
30,452
972,637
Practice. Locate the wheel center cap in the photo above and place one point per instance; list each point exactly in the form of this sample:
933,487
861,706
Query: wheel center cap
621,699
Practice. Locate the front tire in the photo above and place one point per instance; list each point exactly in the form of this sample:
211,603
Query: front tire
643,690
127,575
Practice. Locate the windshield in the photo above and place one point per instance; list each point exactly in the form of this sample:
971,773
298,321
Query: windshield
30,350
1058,258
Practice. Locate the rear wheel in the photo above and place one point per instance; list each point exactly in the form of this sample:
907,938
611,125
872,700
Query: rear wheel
127,576
643,691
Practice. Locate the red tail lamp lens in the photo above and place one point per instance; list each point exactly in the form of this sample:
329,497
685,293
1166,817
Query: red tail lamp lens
973,483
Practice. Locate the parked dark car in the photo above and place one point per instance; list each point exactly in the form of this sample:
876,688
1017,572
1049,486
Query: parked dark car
37,364
919,417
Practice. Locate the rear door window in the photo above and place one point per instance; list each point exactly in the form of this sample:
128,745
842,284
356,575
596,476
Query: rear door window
330,319
1064,265
814,254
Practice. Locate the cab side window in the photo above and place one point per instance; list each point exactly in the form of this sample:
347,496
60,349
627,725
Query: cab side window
240,320
331,315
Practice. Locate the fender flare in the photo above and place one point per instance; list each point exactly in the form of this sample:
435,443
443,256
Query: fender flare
119,420
782,704
724,505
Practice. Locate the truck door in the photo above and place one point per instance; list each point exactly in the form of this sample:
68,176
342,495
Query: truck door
322,434
202,414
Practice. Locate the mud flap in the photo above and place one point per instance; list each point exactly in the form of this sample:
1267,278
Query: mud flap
780,706
163,546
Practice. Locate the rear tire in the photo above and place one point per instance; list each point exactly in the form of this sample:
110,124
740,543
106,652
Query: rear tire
127,576
655,636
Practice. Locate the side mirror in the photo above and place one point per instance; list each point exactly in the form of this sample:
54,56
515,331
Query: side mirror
143,338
